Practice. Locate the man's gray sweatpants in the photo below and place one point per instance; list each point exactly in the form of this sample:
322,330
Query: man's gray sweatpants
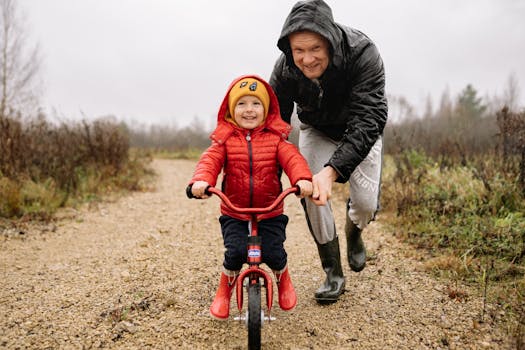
364,183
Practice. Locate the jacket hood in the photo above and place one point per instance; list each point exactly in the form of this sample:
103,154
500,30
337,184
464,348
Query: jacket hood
315,16
273,121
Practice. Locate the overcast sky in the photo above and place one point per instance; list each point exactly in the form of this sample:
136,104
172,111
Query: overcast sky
169,61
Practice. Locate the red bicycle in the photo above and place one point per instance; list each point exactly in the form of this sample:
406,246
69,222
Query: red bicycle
254,276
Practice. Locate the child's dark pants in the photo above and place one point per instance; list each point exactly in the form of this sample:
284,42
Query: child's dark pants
272,232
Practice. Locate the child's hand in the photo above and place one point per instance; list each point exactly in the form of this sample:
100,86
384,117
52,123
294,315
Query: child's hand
306,188
198,189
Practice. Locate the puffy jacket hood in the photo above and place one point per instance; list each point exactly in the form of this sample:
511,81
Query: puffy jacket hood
315,16
273,121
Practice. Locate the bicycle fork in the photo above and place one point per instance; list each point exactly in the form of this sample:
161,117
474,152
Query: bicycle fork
254,273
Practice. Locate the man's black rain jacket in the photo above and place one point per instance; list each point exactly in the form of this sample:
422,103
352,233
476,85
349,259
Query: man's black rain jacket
348,102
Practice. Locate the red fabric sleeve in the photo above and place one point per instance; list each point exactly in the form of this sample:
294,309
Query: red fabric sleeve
293,163
210,164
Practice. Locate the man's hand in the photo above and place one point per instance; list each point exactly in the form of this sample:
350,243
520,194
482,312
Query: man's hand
198,189
322,185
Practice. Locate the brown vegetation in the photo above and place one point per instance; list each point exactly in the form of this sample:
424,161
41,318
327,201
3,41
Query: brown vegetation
457,187
59,160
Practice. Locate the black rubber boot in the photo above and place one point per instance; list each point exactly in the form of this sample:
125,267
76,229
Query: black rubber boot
330,255
355,246
334,284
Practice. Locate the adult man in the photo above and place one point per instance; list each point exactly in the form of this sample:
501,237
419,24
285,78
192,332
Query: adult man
335,76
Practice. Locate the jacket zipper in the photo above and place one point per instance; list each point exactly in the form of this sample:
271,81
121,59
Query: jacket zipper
321,92
250,158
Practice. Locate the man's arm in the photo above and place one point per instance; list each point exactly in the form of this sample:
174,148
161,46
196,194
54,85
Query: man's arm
367,112
322,185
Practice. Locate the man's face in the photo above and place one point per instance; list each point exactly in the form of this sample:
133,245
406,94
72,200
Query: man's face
310,53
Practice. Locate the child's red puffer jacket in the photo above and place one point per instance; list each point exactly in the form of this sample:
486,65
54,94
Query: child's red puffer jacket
251,160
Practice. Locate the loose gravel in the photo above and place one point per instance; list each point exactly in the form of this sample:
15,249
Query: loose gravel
139,272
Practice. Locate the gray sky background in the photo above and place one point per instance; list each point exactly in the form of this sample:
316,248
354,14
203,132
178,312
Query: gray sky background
169,61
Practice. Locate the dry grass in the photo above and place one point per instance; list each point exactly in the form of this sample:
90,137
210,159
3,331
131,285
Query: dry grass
44,166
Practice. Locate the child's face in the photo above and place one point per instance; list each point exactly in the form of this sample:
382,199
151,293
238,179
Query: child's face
249,112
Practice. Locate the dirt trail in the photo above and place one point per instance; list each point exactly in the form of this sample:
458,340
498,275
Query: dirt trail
140,273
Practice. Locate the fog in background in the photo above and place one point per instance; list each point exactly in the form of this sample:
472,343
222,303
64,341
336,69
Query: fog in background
170,62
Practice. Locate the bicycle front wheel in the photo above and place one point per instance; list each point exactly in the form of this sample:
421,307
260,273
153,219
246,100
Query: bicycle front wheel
254,316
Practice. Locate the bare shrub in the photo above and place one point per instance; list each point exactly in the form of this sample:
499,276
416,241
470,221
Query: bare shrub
512,143
38,151
10,201
170,138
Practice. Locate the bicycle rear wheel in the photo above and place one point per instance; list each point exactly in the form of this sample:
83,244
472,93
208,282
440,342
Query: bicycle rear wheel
254,316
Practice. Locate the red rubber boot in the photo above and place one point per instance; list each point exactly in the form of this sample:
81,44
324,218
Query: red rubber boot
287,296
220,307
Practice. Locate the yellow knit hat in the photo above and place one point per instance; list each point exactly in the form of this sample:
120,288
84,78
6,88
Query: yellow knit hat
248,86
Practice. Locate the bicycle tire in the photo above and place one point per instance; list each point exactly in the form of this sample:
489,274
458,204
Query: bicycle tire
254,316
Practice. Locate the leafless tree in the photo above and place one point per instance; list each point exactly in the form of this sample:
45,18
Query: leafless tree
400,110
19,63
511,93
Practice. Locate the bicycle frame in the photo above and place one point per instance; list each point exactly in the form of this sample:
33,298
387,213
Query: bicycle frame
254,272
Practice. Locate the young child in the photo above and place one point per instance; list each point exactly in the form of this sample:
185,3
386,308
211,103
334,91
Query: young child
250,146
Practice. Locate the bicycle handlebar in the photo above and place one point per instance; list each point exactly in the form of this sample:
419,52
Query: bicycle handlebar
212,190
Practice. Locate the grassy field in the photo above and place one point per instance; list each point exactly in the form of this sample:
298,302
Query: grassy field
468,227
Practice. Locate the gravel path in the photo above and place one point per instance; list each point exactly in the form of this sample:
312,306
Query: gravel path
140,273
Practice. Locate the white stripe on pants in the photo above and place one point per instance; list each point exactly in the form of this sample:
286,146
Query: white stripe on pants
364,183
